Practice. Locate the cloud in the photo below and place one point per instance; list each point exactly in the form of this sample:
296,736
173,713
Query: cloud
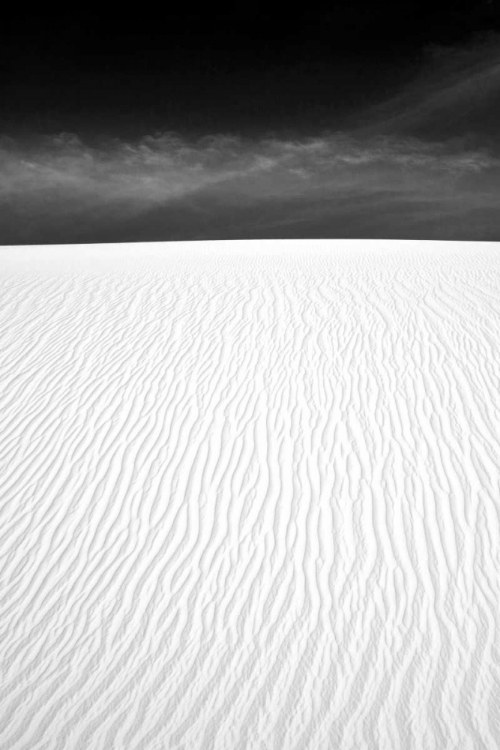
163,186
456,94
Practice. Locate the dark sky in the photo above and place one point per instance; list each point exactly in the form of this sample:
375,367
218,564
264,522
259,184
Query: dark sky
226,66
336,119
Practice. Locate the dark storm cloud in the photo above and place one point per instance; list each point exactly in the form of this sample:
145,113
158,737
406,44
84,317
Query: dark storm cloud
424,165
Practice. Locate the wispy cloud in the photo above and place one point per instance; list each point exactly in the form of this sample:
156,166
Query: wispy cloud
456,95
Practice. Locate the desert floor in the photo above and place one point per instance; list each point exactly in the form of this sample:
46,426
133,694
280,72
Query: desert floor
250,496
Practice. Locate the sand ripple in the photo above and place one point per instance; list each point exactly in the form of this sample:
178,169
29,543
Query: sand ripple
250,503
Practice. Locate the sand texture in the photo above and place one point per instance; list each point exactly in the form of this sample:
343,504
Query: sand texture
250,497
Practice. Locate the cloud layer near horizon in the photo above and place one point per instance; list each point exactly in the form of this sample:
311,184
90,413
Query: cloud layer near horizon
390,179
60,185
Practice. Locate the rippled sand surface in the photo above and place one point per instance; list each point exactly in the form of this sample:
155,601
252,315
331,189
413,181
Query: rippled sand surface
250,497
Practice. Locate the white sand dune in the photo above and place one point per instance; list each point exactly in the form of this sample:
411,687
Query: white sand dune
250,496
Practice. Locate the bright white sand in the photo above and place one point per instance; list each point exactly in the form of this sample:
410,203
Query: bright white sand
250,496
